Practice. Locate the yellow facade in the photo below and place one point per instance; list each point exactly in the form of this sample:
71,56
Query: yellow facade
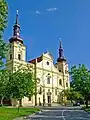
51,78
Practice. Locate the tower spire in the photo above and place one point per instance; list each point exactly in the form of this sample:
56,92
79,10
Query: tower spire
61,53
61,50
60,44
16,18
16,30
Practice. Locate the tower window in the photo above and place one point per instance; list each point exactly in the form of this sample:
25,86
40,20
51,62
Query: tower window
59,70
66,84
60,82
19,56
48,80
10,56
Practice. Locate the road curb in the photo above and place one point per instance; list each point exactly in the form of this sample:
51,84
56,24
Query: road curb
28,116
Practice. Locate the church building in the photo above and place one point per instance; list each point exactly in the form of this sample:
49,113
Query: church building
51,78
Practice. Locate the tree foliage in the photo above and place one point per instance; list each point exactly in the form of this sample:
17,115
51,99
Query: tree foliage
80,77
4,80
69,95
21,84
3,49
3,24
3,16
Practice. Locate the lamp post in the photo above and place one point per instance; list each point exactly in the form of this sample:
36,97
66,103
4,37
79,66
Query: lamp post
35,84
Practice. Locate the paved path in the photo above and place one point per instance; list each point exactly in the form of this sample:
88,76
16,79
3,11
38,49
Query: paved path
61,114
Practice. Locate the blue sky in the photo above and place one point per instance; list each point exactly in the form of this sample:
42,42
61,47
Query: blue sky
43,22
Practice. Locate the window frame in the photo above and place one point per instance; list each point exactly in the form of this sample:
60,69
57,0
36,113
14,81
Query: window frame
48,80
40,90
47,63
60,82
66,84
10,56
19,56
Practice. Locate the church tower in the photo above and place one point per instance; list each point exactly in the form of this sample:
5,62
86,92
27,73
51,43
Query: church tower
61,60
17,50
62,66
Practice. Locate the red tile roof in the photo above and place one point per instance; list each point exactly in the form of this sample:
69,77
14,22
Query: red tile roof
39,59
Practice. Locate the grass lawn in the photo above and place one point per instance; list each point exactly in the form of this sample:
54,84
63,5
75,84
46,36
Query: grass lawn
11,113
87,109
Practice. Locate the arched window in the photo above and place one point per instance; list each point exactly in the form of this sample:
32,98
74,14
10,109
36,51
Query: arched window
40,91
19,57
10,56
48,80
60,82
66,84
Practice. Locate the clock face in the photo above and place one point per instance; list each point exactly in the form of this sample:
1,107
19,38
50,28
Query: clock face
17,34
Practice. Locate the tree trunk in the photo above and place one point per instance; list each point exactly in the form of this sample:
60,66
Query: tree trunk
2,101
20,105
86,103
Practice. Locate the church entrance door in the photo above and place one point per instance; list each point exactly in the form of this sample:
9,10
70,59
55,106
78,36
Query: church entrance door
49,100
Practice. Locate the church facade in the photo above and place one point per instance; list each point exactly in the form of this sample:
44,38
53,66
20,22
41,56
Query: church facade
51,78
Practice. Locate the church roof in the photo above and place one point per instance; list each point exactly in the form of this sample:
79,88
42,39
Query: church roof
38,59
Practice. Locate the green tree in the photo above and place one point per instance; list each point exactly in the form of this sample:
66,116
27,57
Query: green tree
4,80
21,84
74,95
67,95
3,24
80,77
3,49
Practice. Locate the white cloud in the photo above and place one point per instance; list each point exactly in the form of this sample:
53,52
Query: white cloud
38,12
51,9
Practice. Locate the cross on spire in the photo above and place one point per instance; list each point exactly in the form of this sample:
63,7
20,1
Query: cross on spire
16,18
60,44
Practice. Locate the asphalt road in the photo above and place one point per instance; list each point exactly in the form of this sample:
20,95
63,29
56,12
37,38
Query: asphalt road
60,114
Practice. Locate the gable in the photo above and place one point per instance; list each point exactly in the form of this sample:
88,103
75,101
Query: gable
48,56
